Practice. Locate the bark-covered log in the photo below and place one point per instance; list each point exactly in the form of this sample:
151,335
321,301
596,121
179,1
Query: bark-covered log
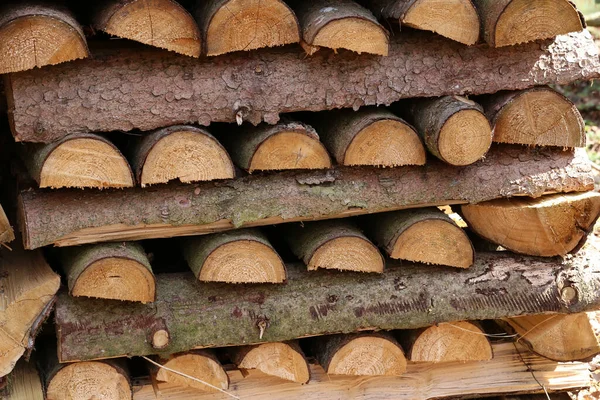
6,231
160,23
69,217
200,364
147,89
406,296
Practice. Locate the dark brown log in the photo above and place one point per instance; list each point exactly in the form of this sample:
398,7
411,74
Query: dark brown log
160,23
69,217
406,296
200,364
161,89
6,231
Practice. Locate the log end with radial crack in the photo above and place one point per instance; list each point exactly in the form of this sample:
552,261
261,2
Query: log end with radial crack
199,364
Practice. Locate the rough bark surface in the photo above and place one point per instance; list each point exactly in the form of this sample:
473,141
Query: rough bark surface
70,217
148,89
407,296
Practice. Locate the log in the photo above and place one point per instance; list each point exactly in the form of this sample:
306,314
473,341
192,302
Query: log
289,145
239,256
557,337
160,90
548,226
283,360
200,364
371,136
510,22
35,34
28,293
23,383
336,244
69,217
6,231
455,19
340,24
78,161
425,235
186,153
312,303
460,341
160,23
234,25
119,271
535,117
454,129
364,354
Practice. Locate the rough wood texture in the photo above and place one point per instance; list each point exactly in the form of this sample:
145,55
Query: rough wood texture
538,116
335,244
287,145
80,161
6,231
160,23
510,22
557,337
406,296
23,383
186,153
70,217
161,89
200,364
284,360
119,271
35,34
548,226
370,136
234,25
454,19
425,235
239,256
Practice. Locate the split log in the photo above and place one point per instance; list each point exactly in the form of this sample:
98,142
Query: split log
535,117
160,23
119,271
424,235
371,137
549,226
240,256
28,292
455,19
510,22
313,303
290,145
557,337
35,34
186,153
200,364
23,383
284,360
454,129
80,161
340,24
6,231
362,354
73,217
234,25
336,244
160,91
448,342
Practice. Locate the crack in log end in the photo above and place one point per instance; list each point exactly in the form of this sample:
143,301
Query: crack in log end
420,305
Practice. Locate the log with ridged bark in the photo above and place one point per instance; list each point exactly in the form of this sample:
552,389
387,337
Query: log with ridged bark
163,89
312,303
70,217
199,364
6,231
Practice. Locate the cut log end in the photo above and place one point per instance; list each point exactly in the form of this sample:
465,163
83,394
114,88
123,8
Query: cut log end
246,25
347,254
355,34
456,341
276,359
198,364
454,19
161,339
6,231
465,138
160,23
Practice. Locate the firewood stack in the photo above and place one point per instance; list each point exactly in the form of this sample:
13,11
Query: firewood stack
275,198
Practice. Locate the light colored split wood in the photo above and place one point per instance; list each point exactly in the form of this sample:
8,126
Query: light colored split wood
200,364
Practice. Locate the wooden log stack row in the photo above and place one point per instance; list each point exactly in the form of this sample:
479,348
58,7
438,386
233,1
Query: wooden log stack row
439,237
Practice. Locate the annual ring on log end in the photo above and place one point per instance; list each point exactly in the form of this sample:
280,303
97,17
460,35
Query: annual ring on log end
200,364
160,339
283,360
89,377
465,138
347,253
368,355
356,34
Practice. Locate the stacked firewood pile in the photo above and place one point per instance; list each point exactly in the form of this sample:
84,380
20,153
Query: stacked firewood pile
303,199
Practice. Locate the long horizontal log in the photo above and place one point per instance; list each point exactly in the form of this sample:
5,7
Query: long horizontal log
73,217
143,88
406,296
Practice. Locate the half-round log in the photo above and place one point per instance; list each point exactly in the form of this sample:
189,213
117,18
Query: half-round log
284,360
200,364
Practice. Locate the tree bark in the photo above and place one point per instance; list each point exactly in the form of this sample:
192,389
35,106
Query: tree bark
69,217
161,89
406,296
6,232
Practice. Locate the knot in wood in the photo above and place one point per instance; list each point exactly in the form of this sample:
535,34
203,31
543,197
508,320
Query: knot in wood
569,295
241,110
160,339
262,323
